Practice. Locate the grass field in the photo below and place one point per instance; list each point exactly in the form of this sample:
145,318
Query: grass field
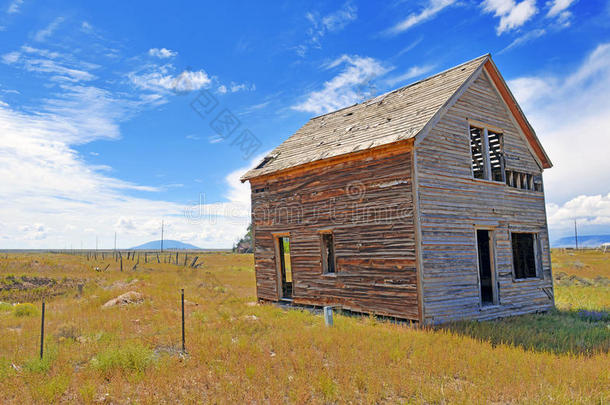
241,351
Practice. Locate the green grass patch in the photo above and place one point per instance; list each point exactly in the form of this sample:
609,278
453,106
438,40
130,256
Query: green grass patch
556,332
132,357
5,307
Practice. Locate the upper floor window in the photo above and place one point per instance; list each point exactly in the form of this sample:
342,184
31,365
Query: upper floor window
487,149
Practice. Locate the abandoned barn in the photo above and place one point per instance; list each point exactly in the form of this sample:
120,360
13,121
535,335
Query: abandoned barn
424,203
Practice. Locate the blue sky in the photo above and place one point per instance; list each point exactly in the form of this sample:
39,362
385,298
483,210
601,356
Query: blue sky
98,133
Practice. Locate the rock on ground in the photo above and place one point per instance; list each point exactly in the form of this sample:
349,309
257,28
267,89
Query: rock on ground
130,297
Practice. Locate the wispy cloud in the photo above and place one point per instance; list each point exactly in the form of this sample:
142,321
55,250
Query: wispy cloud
46,32
321,25
162,53
14,7
512,15
52,194
523,39
429,11
411,73
45,61
581,101
352,84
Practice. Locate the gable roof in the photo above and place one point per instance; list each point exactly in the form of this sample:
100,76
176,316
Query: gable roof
395,116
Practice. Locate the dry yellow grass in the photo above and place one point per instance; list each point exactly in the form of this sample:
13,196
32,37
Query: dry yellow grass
240,351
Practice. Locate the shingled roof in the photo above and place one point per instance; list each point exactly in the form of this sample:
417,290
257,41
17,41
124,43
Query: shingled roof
391,117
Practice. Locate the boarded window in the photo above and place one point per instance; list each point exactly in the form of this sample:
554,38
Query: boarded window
496,156
487,157
328,253
524,255
476,148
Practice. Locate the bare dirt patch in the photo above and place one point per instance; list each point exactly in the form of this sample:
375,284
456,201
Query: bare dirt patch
32,288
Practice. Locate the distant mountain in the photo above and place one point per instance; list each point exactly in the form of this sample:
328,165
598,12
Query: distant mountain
583,241
167,244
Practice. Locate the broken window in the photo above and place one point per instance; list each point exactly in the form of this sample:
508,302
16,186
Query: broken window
328,253
487,150
524,255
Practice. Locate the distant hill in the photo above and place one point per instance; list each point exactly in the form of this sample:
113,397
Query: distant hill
583,241
167,244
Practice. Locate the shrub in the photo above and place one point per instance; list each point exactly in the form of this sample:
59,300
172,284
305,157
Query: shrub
27,309
67,331
131,357
5,307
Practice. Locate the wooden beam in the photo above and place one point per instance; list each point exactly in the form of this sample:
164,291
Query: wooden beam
517,114
392,149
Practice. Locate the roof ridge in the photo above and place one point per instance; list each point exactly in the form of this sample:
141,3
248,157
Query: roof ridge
403,87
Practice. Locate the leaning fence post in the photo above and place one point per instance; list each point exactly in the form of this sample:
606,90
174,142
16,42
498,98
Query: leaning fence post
328,316
42,333
182,299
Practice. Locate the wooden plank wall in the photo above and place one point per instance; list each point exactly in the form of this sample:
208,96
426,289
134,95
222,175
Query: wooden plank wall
368,204
452,203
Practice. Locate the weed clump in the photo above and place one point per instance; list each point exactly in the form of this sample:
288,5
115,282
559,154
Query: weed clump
26,309
67,331
38,365
5,307
131,357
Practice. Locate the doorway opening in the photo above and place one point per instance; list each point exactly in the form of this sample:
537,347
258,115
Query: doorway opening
486,279
285,266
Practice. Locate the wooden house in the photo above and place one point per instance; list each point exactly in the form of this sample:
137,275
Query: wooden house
425,203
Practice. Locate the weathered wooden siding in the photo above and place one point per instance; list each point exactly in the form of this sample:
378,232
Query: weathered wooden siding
452,204
367,202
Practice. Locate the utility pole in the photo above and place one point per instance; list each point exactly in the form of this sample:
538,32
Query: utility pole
161,236
575,235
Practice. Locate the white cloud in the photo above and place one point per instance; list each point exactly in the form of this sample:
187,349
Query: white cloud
235,87
46,32
47,185
512,15
523,39
11,57
571,115
160,78
338,19
354,83
592,213
432,8
162,53
14,7
321,25
556,7
413,72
